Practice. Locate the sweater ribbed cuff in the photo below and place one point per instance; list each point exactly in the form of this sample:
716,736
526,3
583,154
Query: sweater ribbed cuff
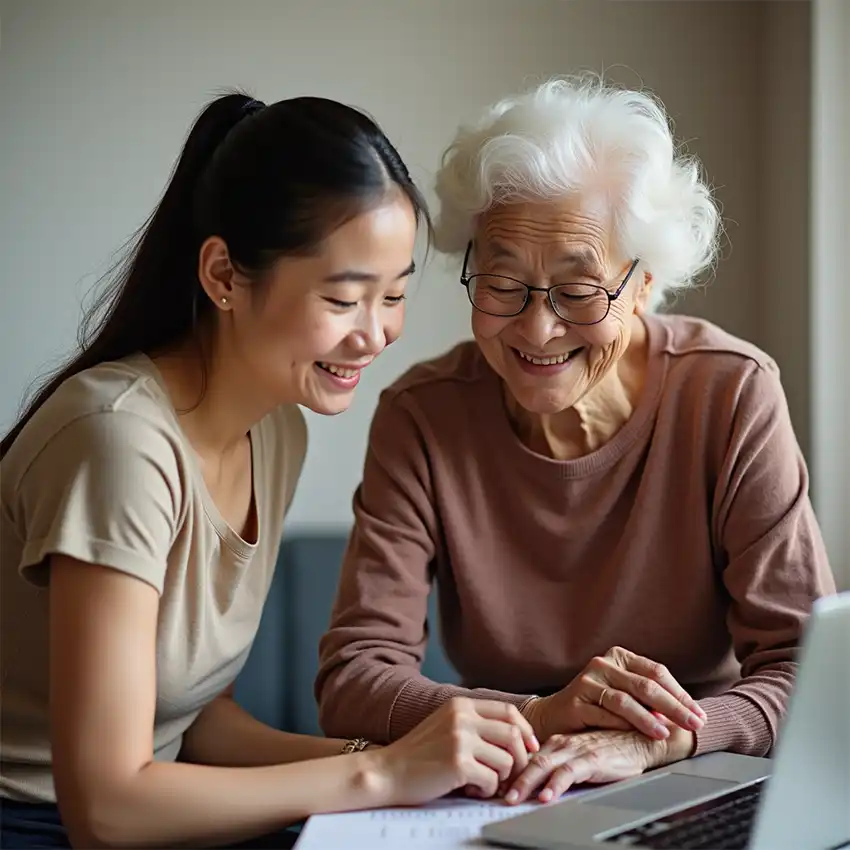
735,724
419,699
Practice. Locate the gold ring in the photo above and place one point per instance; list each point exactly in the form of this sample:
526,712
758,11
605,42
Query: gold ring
602,698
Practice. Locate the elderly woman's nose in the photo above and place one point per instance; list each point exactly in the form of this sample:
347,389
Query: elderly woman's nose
539,321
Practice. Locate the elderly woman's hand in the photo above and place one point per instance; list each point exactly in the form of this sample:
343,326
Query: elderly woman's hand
594,757
619,690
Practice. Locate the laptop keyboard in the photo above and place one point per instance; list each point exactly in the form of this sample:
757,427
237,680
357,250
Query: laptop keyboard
724,823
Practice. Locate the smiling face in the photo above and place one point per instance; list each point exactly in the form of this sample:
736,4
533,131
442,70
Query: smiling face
547,363
304,334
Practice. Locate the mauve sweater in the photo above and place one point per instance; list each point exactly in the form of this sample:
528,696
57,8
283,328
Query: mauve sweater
688,538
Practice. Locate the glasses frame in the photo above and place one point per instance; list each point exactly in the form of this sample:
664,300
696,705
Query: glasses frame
465,280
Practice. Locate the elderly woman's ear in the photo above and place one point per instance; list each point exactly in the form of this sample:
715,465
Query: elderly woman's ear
644,293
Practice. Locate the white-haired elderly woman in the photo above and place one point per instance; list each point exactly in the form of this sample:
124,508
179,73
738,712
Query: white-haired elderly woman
612,501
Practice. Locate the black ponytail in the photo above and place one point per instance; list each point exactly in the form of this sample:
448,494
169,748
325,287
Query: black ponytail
270,181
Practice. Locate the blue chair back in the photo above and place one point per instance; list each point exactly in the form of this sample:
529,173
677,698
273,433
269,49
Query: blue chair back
276,684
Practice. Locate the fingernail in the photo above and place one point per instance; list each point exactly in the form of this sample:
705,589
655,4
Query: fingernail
512,797
535,744
663,731
545,795
695,722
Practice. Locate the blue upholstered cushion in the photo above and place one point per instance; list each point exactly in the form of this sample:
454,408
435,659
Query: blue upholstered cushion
276,685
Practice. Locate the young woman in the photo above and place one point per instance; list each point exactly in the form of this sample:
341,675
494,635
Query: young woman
145,488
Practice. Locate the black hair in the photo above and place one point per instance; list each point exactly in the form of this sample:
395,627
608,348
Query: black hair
271,181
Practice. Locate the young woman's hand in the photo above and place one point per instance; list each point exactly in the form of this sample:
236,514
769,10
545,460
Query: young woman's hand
619,690
472,744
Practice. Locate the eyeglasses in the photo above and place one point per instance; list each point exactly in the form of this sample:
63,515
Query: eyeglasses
576,303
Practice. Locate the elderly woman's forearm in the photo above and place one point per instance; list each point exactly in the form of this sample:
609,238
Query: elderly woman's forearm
385,704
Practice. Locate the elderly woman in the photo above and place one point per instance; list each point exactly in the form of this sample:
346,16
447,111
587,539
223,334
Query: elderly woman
612,501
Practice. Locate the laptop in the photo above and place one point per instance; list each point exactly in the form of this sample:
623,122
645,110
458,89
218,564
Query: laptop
799,800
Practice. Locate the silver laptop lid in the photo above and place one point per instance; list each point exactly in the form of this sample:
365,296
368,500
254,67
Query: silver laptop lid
806,805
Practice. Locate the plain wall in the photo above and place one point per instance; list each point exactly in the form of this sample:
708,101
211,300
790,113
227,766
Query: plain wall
783,310
96,97
830,290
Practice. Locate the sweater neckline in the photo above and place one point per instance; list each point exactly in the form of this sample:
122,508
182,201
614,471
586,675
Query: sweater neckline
608,454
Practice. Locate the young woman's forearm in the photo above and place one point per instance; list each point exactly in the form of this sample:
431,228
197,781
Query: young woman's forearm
169,804
226,735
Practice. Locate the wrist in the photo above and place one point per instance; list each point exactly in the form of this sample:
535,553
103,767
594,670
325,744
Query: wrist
530,710
680,745
374,783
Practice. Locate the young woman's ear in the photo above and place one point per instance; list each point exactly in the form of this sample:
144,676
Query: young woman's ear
216,272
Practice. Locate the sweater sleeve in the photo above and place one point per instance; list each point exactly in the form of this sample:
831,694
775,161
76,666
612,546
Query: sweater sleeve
775,566
369,682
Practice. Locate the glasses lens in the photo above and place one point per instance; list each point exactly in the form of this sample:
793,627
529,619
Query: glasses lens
580,303
496,295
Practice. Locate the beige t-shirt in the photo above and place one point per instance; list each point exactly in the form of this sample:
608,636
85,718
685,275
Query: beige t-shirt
104,474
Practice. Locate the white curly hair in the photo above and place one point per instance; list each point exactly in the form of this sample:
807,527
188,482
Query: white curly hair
577,135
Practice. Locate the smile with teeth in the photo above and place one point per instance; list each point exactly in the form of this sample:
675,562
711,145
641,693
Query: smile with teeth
554,360
341,371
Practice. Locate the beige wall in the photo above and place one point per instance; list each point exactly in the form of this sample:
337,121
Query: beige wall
830,278
95,97
784,197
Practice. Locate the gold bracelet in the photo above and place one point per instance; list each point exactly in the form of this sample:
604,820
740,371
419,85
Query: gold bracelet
355,745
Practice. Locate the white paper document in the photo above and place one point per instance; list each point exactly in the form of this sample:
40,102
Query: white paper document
447,824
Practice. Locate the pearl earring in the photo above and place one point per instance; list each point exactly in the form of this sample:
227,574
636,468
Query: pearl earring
223,299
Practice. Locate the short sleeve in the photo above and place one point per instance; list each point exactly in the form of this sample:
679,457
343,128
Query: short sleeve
105,489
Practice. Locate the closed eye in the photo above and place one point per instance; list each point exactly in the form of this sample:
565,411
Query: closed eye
578,292
347,305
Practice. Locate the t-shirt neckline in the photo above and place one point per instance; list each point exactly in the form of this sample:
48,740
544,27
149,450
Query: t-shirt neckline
241,547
